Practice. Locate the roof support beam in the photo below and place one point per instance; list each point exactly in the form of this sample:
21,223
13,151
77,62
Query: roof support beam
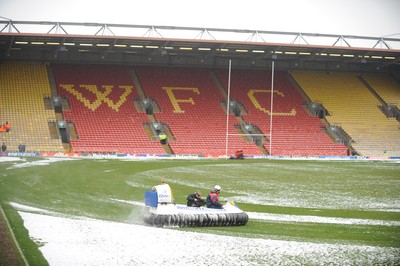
341,39
205,35
105,30
153,32
299,37
57,29
10,26
382,41
255,36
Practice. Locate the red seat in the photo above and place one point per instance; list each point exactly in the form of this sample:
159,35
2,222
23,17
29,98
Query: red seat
113,125
295,133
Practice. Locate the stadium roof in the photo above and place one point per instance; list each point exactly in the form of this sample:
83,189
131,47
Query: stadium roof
167,45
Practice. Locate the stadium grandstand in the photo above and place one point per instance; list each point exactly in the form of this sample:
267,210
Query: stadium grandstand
91,88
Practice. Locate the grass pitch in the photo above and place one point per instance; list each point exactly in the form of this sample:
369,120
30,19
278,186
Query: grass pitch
344,202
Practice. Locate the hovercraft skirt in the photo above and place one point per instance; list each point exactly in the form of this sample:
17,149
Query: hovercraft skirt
196,220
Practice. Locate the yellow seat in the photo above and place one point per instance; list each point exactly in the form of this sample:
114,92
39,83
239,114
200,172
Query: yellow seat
353,107
25,84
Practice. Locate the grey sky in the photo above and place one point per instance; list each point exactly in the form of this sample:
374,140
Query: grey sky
374,18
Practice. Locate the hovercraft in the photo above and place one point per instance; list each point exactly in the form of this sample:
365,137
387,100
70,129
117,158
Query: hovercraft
163,212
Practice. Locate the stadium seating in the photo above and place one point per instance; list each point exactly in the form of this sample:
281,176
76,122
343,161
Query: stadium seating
106,120
353,107
102,109
189,102
23,87
387,87
294,131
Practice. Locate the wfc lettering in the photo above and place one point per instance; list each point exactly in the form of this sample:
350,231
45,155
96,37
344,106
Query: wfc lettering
175,102
100,96
252,96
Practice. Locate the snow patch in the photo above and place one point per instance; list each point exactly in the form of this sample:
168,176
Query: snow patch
318,219
96,242
46,161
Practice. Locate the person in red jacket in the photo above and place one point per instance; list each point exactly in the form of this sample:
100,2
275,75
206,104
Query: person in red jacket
7,125
212,198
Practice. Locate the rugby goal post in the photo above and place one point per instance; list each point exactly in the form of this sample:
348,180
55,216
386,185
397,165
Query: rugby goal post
228,111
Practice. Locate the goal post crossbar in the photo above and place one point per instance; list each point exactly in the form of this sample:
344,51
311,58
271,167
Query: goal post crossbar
249,134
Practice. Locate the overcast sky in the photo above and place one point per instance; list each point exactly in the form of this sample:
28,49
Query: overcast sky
373,18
